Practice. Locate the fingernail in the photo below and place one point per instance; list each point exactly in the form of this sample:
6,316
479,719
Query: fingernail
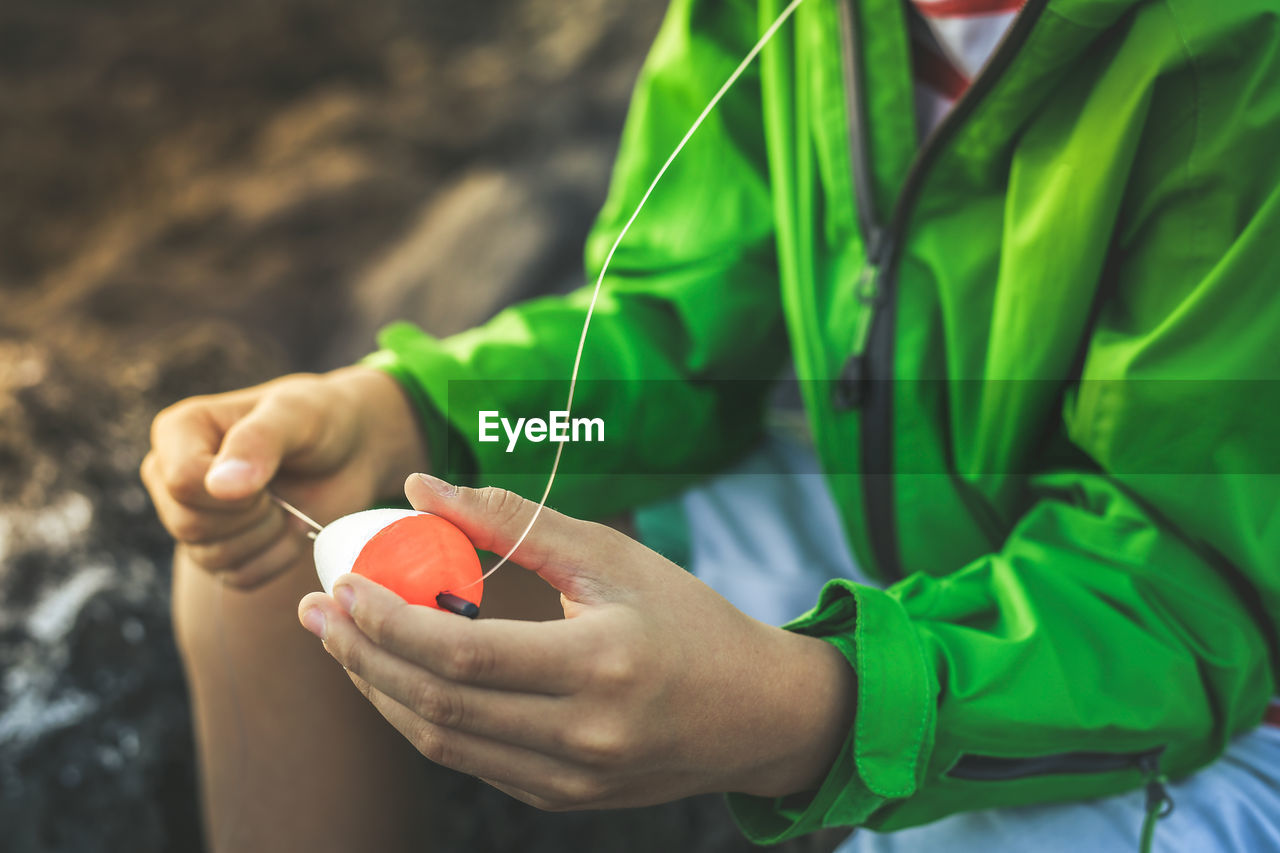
228,474
346,597
440,487
313,621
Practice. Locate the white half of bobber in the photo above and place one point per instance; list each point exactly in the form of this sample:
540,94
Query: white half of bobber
340,542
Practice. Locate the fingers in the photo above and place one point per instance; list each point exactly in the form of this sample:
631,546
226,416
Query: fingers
212,458
246,546
284,553
576,557
201,524
184,439
537,779
280,423
514,740
232,551
523,719
550,658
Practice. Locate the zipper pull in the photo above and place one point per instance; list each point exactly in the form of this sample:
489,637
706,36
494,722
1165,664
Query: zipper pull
850,391
1159,803
851,387
865,291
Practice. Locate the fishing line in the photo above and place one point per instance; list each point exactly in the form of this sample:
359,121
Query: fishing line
595,294
315,526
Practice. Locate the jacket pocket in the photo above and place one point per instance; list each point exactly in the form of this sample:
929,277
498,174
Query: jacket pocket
992,768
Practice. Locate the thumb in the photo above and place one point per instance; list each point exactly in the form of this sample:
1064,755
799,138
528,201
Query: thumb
254,446
579,558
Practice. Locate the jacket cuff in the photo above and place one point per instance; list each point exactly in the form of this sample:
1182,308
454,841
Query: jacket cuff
884,756
423,368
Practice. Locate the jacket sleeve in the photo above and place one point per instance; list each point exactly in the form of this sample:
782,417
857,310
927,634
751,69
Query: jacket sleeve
688,326
1094,650
1126,624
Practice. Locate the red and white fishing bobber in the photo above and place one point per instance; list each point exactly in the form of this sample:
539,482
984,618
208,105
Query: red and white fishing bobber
419,556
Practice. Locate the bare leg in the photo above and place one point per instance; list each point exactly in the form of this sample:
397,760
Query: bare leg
291,757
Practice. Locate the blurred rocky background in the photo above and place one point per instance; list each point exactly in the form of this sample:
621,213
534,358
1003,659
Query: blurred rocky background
198,196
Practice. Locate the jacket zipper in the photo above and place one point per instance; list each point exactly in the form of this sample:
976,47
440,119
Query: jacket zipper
1159,804
865,379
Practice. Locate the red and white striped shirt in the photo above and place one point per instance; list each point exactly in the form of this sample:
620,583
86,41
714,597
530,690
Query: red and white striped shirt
950,42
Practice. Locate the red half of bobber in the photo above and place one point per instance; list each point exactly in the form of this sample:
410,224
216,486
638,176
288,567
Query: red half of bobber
419,557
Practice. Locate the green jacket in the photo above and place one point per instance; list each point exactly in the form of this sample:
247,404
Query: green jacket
1073,479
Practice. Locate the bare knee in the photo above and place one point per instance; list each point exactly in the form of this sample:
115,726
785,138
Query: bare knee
213,621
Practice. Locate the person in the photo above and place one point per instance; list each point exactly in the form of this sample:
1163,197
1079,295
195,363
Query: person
1027,546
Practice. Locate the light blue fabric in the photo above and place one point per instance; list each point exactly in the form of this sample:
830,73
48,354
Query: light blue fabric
766,536
1231,805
